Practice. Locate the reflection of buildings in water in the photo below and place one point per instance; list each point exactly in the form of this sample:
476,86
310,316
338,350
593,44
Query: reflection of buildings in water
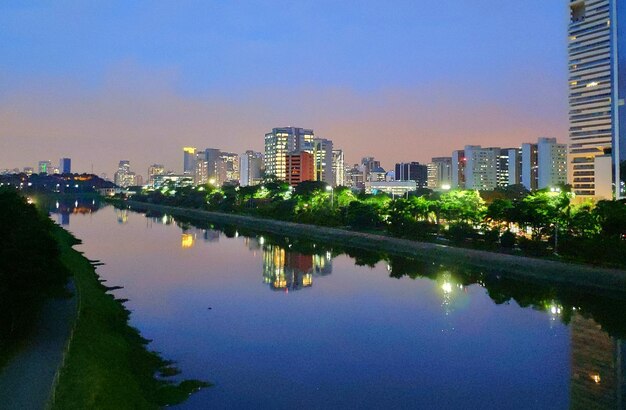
291,270
597,381
64,218
122,216
187,240
211,235
252,243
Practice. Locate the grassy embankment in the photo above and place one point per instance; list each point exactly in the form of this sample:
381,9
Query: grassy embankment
107,365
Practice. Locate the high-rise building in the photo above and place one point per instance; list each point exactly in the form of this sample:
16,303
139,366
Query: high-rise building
282,141
154,169
544,164
440,173
300,168
65,165
323,156
45,167
515,166
597,89
227,168
458,169
250,168
355,177
412,171
189,160
481,167
124,177
339,168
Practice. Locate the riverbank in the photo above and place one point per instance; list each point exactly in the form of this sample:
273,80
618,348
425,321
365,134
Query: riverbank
107,364
518,267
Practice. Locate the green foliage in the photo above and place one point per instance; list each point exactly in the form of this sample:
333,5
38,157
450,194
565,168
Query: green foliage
508,240
461,206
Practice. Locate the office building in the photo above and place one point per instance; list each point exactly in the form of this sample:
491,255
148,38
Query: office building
45,167
544,164
153,170
597,89
189,160
481,167
323,155
124,177
282,141
458,169
393,188
515,166
412,171
65,166
355,177
250,168
300,167
440,173
227,169
339,168
201,171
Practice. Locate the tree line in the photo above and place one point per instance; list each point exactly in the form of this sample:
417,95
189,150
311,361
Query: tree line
511,219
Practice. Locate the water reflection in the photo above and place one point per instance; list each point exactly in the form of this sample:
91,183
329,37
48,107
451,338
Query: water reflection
65,206
597,380
595,321
286,270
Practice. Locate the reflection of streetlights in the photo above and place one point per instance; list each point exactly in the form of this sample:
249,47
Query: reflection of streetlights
332,195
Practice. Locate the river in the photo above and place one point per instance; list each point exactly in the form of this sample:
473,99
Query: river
284,323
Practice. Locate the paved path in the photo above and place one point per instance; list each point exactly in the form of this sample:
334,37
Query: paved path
26,380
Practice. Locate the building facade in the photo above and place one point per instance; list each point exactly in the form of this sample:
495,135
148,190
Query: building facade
544,164
282,141
300,168
65,166
250,168
481,169
458,169
440,173
412,171
339,168
153,170
189,160
323,155
597,89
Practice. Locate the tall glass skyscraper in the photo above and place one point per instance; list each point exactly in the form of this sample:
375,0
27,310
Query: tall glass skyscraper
597,88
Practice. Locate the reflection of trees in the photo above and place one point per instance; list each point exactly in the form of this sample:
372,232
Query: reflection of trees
607,310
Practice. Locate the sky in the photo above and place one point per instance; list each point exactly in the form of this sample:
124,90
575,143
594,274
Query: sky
102,81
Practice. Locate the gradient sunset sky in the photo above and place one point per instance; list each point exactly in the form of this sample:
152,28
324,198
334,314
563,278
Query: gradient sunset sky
101,81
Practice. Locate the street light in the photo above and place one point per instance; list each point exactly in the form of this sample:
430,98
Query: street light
332,195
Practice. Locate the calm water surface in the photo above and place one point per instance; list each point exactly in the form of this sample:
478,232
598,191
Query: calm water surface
280,323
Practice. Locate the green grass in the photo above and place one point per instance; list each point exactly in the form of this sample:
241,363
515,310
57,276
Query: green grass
107,365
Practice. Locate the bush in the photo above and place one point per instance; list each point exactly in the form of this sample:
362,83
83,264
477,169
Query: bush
460,233
533,247
508,240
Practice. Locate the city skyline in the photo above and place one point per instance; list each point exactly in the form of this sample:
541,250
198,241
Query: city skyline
384,89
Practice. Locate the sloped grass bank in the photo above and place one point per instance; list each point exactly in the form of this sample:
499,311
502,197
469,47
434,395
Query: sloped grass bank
108,365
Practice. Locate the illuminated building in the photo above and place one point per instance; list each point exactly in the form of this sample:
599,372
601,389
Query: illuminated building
282,141
323,156
395,188
458,169
514,160
123,176
597,89
284,270
481,167
412,171
250,168
544,164
154,170
300,167
45,167
201,172
28,171
227,168
440,173
172,180
65,165
189,160
339,168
